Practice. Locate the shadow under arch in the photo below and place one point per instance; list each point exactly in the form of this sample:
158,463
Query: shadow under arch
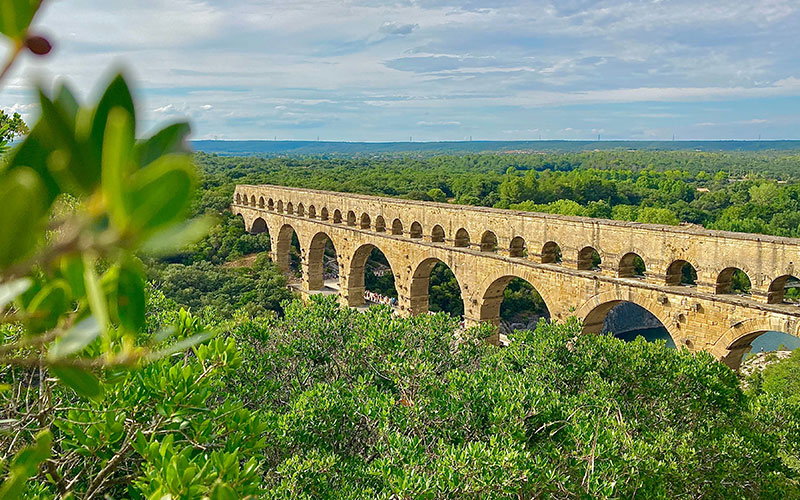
594,312
322,263
357,278
733,280
496,298
259,226
631,265
784,289
288,262
731,347
434,273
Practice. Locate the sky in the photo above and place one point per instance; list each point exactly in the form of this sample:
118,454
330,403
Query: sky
427,70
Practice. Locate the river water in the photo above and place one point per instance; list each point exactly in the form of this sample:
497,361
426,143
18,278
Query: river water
770,341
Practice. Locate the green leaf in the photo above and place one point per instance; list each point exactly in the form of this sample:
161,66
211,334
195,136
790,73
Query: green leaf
222,491
33,153
181,346
94,293
13,289
131,302
15,17
161,192
25,465
116,165
22,214
48,305
171,139
71,268
178,237
76,338
117,94
81,381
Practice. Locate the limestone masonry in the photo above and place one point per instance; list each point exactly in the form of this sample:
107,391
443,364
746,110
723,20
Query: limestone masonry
486,248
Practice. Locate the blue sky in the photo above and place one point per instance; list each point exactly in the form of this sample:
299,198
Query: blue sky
437,69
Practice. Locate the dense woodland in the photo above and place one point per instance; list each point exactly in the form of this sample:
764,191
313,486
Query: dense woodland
140,358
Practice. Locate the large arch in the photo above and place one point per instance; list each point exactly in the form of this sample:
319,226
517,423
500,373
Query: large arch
322,267
497,294
737,341
360,270
259,226
594,311
286,260
420,289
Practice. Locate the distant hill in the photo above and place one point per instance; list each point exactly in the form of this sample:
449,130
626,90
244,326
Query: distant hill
282,148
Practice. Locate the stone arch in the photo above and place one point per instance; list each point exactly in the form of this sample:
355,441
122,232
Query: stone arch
397,227
733,280
323,214
631,265
462,238
312,211
365,222
589,258
594,311
301,210
517,247
283,247
259,226
315,261
271,204
420,283
337,216
290,208
380,224
437,234
238,198
776,293
351,218
493,296
280,206
261,202
551,253
416,230
488,242
355,278
252,200
681,272
731,347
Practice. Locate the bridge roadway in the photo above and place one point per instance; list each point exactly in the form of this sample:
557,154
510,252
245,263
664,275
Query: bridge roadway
486,248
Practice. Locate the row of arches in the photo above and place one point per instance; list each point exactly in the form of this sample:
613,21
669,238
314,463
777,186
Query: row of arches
513,300
731,280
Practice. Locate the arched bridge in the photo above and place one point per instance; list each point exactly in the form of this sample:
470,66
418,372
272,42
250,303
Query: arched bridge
580,266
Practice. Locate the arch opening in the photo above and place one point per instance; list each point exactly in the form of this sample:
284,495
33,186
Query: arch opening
416,230
681,273
380,224
434,288
784,290
551,253
397,227
489,242
371,278
323,264
437,234
589,259
312,211
351,218
261,202
253,200
733,280
271,204
290,208
337,216
301,210
238,198
517,247
289,253
462,239
366,222
280,206
513,304
323,214
631,265
626,321
757,344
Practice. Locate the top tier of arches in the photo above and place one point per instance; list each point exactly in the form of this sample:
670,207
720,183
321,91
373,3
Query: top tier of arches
712,261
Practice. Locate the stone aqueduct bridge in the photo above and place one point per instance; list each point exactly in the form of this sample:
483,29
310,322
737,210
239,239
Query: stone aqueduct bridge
486,248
